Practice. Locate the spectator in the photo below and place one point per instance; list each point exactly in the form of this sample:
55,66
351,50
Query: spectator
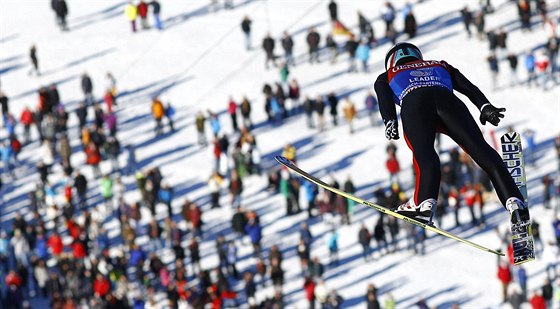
541,67
321,293
351,47
288,46
158,112
246,28
156,9
131,12
332,244
215,183
309,289
313,39
537,301
235,189
349,110
309,106
87,89
547,293
524,11
333,11
388,16
504,275
333,104
165,195
410,25
320,108
530,67
169,114
232,111
34,60
254,230
364,238
494,70
372,301
501,40
61,10
512,59
238,223
552,51
268,46
143,13
334,300
467,19
479,22
362,53
332,48
201,128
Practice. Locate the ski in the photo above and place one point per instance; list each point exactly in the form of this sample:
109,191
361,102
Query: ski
521,232
288,164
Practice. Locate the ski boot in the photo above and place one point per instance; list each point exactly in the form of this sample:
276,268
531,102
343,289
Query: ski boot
422,212
521,232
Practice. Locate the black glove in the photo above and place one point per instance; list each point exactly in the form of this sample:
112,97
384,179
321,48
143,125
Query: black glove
491,114
392,129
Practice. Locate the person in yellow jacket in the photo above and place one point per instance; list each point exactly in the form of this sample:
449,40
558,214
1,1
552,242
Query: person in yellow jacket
131,12
289,152
158,111
349,110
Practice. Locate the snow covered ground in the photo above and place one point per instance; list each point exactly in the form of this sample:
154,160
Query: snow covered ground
199,60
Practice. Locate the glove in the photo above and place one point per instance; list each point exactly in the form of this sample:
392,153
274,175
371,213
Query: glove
392,129
492,114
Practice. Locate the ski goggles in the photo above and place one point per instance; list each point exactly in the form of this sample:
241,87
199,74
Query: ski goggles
401,53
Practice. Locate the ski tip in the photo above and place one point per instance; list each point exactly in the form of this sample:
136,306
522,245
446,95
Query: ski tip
282,160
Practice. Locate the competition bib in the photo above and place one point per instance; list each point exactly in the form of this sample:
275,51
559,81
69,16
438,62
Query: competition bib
405,78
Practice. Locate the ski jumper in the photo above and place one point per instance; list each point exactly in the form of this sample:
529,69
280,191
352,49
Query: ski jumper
424,91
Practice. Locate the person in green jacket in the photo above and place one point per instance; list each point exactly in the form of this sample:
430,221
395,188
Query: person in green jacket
107,190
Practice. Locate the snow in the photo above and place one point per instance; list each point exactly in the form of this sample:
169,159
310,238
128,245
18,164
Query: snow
199,60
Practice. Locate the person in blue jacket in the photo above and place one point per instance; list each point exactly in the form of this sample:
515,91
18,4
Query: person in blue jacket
310,196
362,53
254,230
424,91
530,67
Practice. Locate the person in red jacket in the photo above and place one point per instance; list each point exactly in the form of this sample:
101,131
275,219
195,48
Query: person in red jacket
393,167
537,301
101,286
79,249
309,288
504,274
26,119
468,193
13,279
232,111
143,13
93,158
194,218
55,244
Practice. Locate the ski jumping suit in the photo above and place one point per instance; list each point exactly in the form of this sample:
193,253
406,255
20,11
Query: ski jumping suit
424,91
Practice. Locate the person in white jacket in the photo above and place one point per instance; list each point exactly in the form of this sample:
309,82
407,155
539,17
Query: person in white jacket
47,154
550,257
41,276
21,248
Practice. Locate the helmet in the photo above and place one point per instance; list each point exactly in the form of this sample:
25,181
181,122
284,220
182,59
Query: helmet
401,53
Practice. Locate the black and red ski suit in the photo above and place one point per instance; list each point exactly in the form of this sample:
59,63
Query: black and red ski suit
424,90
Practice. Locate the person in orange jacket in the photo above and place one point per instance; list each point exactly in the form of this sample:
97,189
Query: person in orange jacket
158,111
